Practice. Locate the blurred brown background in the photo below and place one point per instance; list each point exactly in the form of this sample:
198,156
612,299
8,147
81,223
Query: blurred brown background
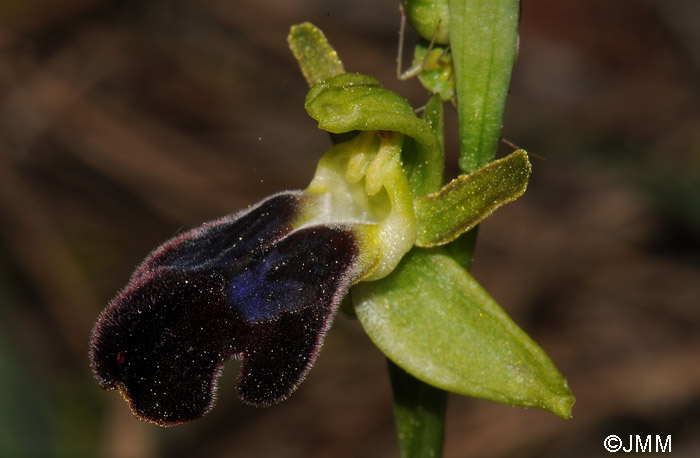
124,121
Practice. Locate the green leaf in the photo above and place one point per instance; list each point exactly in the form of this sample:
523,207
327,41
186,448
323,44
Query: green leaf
483,38
467,200
433,319
316,57
353,101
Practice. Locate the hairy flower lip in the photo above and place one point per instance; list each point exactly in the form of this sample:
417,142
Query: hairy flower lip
191,306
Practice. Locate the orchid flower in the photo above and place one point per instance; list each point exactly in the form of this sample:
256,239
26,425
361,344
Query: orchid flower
264,284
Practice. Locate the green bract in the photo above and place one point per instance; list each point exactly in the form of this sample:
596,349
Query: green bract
483,40
434,320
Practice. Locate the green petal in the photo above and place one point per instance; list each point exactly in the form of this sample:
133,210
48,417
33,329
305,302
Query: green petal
353,101
434,320
467,200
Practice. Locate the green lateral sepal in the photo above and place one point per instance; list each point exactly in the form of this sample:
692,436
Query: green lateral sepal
468,199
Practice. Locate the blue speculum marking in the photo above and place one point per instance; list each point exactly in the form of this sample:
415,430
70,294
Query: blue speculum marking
248,285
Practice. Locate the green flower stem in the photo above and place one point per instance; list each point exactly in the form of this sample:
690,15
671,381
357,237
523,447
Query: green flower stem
419,410
483,38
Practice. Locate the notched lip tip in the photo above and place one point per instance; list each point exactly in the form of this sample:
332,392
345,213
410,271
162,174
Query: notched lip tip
165,423
158,422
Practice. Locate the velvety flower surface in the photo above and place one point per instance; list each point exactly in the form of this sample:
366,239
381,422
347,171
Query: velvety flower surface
244,285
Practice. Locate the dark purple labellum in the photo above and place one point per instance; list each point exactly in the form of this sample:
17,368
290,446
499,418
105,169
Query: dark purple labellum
247,285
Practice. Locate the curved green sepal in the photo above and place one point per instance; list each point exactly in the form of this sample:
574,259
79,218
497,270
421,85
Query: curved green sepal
354,101
469,199
316,57
433,319
430,18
